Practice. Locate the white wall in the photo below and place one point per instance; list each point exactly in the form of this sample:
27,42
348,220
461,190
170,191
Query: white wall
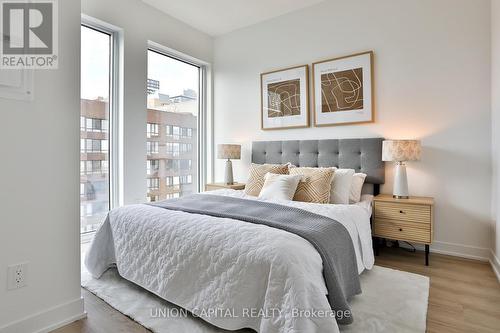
39,145
39,190
140,23
495,109
432,74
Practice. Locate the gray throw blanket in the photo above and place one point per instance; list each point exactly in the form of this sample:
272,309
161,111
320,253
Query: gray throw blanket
329,237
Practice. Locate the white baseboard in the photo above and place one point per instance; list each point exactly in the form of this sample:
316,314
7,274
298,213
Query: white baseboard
495,264
457,250
463,251
48,320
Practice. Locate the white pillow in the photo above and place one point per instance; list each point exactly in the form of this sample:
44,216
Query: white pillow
279,187
341,186
358,179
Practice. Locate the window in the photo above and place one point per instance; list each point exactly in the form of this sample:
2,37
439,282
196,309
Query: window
153,183
173,148
172,166
96,167
185,165
186,148
93,124
152,147
173,132
186,133
152,166
173,102
96,73
152,130
94,146
172,180
186,179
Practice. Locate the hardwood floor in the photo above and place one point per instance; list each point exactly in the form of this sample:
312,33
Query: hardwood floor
464,294
464,297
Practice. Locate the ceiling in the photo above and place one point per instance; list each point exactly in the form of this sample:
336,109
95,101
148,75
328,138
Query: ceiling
218,17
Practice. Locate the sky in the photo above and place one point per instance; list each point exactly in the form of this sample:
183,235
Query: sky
94,64
174,75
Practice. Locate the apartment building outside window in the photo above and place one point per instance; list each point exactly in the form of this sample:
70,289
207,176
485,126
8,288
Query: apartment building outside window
152,130
172,181
186,132
172,165
173,148
185,164
187,179
95,167
94,146
152,147
93,125
186,148
153,183
97,75
174,105
152,166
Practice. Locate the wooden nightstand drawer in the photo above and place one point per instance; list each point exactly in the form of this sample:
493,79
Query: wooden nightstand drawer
403,212
402,231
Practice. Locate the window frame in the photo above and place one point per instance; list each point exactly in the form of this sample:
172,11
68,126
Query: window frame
204,133
113,127
115,122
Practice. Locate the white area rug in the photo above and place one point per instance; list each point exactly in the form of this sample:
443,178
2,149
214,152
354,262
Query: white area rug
392,301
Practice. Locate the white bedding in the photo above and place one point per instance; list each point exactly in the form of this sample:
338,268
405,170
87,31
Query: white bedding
226,270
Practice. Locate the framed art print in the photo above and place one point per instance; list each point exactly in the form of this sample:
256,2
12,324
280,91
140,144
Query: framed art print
343,90
284,98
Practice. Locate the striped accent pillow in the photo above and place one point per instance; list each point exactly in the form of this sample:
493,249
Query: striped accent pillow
257,174
315,185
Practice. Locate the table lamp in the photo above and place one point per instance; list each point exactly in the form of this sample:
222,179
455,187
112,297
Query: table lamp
400,151
229,152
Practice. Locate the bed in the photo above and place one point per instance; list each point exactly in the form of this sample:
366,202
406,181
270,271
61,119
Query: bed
236,274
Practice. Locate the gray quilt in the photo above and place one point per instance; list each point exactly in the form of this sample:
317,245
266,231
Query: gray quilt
329,237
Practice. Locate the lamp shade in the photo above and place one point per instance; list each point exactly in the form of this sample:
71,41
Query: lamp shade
401,150
232,152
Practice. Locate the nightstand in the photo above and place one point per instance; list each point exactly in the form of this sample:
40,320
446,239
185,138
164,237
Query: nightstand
410,220
218,186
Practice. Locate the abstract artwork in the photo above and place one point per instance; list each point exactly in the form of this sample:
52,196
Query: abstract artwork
343,90
285,98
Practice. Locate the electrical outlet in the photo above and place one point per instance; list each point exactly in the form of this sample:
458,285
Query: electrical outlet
17,276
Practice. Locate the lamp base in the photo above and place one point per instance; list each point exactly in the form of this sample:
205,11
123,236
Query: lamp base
228,174
400,190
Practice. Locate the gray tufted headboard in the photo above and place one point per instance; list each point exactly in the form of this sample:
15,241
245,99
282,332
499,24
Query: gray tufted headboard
363,155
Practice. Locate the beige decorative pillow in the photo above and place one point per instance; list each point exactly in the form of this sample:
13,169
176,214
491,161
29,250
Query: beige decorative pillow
257,174
315,185
356,187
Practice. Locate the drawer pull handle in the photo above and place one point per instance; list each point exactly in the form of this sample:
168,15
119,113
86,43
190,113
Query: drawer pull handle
401,212
400,229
